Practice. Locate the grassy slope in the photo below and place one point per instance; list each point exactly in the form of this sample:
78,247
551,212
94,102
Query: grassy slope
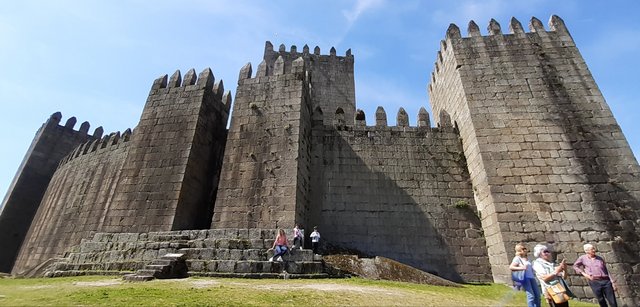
100,290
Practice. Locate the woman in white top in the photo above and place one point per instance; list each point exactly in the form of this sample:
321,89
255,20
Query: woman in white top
315,239
547,271
521,263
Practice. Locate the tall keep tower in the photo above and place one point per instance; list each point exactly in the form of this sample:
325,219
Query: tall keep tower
333,82
265,178
547,160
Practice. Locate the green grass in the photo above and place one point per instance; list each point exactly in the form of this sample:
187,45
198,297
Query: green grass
109,291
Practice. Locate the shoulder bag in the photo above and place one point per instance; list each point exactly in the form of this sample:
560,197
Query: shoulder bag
518,276
558,293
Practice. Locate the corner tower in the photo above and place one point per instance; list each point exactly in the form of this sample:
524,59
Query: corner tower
159,177
547,160
51,143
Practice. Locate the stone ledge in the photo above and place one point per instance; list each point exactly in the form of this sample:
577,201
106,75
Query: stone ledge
262,275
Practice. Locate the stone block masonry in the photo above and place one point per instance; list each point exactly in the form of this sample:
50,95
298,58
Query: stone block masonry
547,159
266,150
159,177
524,149
51,144
174,167
333,82
399,192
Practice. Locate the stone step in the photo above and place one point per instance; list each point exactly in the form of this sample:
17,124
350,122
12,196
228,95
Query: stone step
225,243
280,275
173,257
94,247
243,254
156,267
103,266
126,254
163,237
161,262
233,266
150,272
232,243
237,251
295,255
231,233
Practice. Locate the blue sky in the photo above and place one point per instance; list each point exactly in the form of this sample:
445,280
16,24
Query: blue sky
96,60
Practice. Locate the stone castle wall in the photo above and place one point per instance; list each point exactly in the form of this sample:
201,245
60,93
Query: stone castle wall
179,140
547,159
50,144
77,201
158,178
525,149
399,192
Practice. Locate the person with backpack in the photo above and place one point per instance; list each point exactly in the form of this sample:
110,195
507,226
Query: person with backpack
523,269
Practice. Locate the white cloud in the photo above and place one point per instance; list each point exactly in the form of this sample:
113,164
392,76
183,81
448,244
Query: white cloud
360,7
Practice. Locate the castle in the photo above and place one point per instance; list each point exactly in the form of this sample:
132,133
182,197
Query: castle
523,149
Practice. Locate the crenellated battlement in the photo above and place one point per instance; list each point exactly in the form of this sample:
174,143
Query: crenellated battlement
292,61
330,76
523,148
51,143
292,54
523,101
55,119
279,68
191,82
204,80
402,120
454,42
108,142
556,24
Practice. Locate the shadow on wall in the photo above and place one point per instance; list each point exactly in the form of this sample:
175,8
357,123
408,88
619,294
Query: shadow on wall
405,195
598,148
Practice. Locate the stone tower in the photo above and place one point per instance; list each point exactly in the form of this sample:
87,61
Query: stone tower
265,176
525,149
547,159
159,177
299,153
51,143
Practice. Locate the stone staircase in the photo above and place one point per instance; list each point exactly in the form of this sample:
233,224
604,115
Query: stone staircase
168,266
177,254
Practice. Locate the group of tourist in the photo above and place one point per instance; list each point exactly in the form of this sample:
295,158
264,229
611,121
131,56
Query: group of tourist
549,275
541,277
281,247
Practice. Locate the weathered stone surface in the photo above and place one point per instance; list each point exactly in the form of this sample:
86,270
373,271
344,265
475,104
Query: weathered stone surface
524,149
161,179
547,160
385,269
149,261
50,145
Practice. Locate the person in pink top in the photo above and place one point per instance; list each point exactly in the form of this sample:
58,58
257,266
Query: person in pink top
594,269
280,246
